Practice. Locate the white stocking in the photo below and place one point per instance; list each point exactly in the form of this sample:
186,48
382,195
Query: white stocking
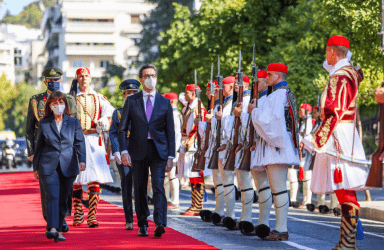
320,199
307,193
265,196
175,186
277,176
219,192
244,179
294,183
229,192
334,201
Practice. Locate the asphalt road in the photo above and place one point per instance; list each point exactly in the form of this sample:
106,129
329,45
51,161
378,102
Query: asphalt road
306,230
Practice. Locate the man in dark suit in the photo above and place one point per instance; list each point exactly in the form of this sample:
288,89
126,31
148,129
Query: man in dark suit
151,145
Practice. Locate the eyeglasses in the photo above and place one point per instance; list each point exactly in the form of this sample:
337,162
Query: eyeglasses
148,75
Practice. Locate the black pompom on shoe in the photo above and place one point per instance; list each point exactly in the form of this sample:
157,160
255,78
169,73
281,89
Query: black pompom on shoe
229,223
337,211
323,209
311,207
206,215
295,204
216,219
262,231
246,227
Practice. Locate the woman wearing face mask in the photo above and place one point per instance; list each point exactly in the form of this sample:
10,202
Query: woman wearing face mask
59,156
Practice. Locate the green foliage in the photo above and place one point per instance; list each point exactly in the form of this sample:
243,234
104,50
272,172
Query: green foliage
116,99
111,72
14,105
159,20
30,16
291,32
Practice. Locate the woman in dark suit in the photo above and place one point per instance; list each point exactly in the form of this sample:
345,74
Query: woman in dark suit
60,155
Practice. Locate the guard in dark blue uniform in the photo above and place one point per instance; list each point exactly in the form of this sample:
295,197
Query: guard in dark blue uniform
128,87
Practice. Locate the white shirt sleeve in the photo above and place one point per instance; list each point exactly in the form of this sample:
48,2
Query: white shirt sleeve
269,119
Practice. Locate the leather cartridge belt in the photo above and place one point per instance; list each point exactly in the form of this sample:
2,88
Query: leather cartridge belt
89,131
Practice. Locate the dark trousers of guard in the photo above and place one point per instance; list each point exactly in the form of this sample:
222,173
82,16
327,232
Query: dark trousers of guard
57,189
126,189
157,165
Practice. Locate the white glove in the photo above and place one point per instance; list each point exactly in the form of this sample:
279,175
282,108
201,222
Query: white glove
103,123
98,128
117,157
182,149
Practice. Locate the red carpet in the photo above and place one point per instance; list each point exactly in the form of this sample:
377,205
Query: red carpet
22,225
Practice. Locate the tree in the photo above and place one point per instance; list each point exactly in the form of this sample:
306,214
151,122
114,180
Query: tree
112,71
159,20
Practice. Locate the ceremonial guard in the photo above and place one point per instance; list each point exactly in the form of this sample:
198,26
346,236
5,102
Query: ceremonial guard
213,96
275,123
187,150
35,114
305,176
244,178
129,87
172,182
95,115
336,168
226,176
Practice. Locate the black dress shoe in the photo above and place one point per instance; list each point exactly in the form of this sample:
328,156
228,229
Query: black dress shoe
143,232
128,227
62,238
65,228
159,230
51,235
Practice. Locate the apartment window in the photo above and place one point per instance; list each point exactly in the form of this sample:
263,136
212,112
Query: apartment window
17,51
104,64
77,63
18,61
135,19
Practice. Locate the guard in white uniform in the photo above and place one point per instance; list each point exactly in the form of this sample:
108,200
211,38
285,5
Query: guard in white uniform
95,115
171,182
275,123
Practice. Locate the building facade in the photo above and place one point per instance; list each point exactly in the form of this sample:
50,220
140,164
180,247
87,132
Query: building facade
93,34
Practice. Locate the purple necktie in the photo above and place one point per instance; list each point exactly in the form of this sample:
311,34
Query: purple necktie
149,109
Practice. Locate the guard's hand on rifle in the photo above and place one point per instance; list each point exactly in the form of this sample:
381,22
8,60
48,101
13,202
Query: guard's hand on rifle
237,111
196,121
103,124
379,95
253,147
169,165
238,148
222,147
81,166
219,114
126,159
117,157
251,106
208,118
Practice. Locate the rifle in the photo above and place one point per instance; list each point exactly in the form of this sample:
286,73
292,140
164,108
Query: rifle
375,177
214,161
73,89
198,152
231,151
201,157
245,162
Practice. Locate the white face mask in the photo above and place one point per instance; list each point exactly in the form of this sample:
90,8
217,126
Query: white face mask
150,83
58,109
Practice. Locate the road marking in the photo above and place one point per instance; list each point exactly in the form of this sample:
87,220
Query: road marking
293,244
338,227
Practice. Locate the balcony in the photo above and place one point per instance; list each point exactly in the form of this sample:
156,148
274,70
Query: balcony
83,50
99,27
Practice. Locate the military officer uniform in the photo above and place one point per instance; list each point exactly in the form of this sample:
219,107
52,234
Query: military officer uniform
124,171
36,113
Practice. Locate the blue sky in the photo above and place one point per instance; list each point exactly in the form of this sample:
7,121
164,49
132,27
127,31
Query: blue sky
15,6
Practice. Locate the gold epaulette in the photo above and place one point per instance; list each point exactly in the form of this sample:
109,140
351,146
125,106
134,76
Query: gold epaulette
118,115
34,108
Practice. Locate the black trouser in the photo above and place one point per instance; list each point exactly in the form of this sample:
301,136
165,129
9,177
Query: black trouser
57,188
126,188
140,171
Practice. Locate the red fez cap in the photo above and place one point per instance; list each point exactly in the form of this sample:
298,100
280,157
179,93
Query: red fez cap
262,74
306,106
82,70
191,87
171,96
245,78
229,79
338,40
214,82
279,67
